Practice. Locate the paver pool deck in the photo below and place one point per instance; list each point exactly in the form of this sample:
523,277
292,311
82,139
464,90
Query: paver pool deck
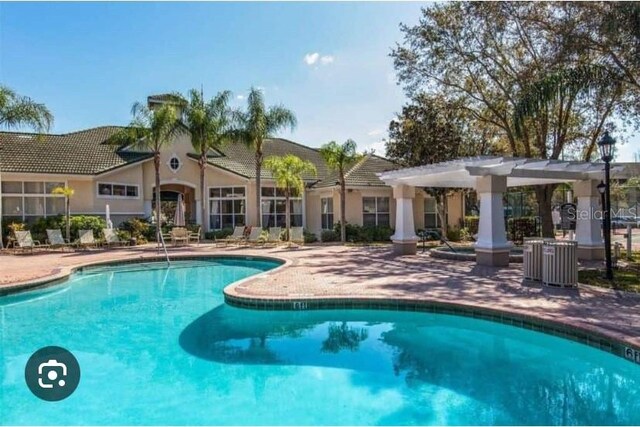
374,273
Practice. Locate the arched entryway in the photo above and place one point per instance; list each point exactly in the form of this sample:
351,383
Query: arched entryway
169,199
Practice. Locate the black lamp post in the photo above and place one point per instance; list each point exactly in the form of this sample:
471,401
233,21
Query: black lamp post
605,145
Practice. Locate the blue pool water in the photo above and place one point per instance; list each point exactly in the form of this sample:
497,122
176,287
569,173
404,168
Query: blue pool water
159,346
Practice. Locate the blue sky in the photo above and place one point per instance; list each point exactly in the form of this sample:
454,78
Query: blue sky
88,62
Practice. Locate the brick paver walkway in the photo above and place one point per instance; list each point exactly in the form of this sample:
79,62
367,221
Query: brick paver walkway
373,272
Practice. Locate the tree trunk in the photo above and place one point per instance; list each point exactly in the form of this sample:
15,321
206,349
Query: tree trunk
287,214
156,164
68,209
203,194
258,184
343,203
544,193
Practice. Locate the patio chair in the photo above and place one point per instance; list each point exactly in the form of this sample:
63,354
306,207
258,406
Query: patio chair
297,235
236,237
194,236
55,239
274,235
255,236
86,239
24,242
111,238
179,235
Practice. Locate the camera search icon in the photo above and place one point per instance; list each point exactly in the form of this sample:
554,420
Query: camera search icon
52,373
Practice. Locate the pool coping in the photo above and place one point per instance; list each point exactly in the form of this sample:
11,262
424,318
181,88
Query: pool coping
603,339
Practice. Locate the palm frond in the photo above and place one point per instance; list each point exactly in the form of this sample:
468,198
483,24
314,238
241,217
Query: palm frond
17,111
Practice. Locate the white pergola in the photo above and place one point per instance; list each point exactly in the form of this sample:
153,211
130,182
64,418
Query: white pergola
490,176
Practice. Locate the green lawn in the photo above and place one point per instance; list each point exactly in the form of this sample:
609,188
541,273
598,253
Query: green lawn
624,278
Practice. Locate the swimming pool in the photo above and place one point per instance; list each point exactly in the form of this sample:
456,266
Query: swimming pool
159,346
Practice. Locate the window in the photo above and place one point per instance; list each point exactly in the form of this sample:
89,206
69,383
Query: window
326,212
174,164
113,190
273,207
430,213
29,199
226,207
375,211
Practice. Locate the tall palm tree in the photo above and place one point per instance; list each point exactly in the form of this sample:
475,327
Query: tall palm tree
210,126
257,124
340,157
17,111
68,193
287,172
151,130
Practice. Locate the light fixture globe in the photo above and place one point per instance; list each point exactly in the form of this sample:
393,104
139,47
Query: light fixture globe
601,187
605,145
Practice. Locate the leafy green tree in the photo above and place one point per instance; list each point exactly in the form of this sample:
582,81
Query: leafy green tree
68,194
288,172
339,158
258,123
210,127
152,130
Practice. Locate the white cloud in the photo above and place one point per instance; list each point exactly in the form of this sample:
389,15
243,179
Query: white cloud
326,59
240,97
315,58
311,58
375,132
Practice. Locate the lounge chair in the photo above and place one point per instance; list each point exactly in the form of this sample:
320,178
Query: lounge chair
86,239
179,235
24,241
236,237
255,236
297,235
274,235
111,238
55,239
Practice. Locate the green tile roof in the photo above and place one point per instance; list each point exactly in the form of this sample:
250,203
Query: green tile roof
86,153
77,153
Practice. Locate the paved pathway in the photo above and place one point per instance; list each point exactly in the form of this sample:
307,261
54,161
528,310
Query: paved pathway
373,272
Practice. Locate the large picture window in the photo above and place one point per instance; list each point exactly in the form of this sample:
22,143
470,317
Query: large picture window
116,191
430,213
273,208
375,211
28,200
226,207
326,212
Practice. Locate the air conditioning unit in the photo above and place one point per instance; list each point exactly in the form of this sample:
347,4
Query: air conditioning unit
560,263
532,257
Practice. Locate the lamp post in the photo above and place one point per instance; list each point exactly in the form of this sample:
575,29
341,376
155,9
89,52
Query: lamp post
605,145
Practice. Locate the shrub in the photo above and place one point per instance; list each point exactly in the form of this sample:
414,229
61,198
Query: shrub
367,234
465,236
40,226
87,222
329,236
218,234
310,237
519,228
471,224
453,234
9,225
138,228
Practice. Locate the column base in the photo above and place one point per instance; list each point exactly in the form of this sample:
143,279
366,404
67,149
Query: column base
590,252
405,248
492,257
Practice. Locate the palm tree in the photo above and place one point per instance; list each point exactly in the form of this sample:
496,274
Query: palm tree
287,172
151,130
209,124
17,111
67,193
340,157
259,123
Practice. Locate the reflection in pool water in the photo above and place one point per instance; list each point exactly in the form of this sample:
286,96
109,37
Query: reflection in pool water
158,346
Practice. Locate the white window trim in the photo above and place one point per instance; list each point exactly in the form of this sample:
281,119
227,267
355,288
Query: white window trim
22,195
323,214
377,212
104,196
275,198
209,199
180,163
436,213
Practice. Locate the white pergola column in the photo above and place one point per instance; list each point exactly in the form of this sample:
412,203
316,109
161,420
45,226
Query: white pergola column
588,223
492,247
199,219
405,241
